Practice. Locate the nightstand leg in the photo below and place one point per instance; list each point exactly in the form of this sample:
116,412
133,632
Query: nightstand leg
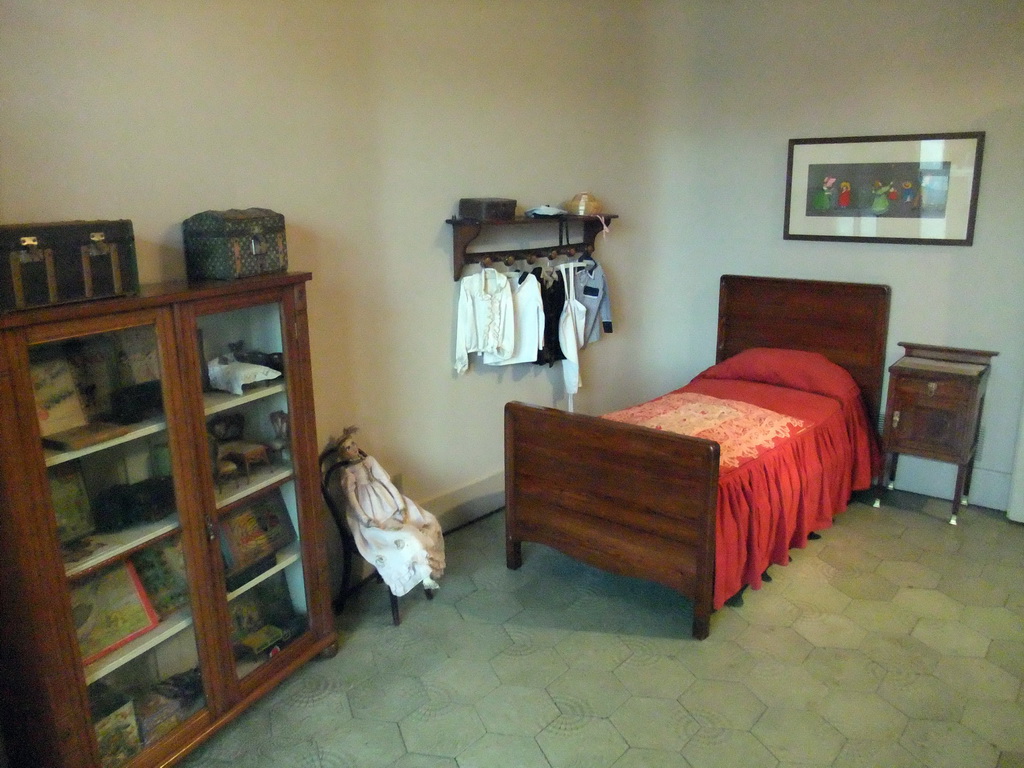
963,481
889,473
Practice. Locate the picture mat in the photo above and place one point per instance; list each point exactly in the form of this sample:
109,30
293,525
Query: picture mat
960,152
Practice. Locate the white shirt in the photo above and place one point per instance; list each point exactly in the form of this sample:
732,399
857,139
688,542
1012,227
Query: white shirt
485,321
528,317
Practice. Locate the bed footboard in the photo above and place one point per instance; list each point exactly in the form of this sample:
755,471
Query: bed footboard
630,500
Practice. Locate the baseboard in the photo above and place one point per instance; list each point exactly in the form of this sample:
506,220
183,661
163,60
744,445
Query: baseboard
453,510
989,488
469,503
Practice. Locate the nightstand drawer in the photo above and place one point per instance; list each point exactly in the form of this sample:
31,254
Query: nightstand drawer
937,390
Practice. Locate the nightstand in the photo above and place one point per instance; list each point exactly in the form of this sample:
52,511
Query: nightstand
933,409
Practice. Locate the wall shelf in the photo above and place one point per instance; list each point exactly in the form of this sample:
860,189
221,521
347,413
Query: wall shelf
465,231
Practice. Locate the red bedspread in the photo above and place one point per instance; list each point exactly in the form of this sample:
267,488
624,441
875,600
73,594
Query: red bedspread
793,469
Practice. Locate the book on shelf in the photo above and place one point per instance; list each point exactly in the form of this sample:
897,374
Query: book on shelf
110,610
70,503
161,569
254,531
59,404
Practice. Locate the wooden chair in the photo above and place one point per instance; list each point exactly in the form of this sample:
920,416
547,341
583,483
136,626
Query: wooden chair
330,463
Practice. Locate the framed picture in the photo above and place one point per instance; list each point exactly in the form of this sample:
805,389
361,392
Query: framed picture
919,188
254,531
109,610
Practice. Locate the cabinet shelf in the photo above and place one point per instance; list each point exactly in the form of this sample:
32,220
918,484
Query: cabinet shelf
110,546
165,630
260,477
465,231
140,430
285,557
216,402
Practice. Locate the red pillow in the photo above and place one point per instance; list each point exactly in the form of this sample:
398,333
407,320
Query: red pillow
807,371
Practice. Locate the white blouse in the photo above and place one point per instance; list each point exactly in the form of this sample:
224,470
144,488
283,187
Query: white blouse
485,317
528,319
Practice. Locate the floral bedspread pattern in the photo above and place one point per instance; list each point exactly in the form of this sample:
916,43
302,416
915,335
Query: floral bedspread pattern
743,430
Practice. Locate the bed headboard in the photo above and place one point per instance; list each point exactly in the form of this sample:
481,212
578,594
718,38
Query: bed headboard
846,322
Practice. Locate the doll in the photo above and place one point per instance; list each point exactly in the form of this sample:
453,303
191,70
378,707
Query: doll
400,539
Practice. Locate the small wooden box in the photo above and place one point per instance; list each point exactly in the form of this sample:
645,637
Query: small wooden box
487,208
224,245
62,262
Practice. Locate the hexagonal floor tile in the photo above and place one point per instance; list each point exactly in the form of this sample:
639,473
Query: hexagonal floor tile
570,742
444,730
798,736
582,692
719,704
516,710
644,674
660,724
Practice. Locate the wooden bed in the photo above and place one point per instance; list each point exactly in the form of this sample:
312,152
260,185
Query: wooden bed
642,502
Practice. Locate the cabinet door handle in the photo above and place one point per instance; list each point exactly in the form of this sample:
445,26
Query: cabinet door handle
211,533
932,386
895,419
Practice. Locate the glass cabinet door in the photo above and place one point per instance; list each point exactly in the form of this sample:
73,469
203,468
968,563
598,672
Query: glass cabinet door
246,407
108,455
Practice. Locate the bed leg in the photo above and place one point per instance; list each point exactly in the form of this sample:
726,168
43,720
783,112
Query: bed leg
736,601
513,554
701,623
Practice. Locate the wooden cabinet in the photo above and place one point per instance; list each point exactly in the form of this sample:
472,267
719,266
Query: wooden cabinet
934,409
162,561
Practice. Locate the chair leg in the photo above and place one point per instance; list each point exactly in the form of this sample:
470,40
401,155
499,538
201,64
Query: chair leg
349,554
395,617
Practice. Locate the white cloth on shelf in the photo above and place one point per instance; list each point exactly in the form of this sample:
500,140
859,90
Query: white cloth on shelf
485,317
528,316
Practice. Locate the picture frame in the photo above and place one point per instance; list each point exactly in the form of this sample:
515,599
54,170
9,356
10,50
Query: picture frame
110,610
914,188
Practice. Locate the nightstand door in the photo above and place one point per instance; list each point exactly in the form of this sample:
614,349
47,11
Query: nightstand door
933,416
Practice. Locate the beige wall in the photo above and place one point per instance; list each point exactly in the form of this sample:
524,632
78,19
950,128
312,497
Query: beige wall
365,122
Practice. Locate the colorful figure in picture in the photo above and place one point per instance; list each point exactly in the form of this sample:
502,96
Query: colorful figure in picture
908,192
844,194
881,202
822,200
401,540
